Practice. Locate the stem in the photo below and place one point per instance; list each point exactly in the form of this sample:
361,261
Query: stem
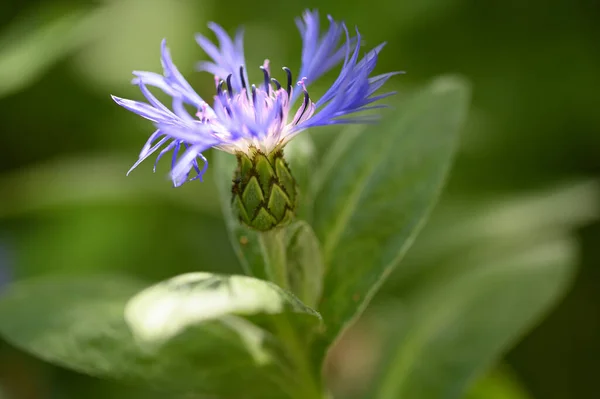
310,387
274,253
273,249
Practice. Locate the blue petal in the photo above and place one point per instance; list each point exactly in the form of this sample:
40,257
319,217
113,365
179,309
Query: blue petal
144,110
180,110
175,79
181,169
154,79
199,172
193,133
153,100
352,91
176,127
319,54
376,82
168,148
148,152
227,58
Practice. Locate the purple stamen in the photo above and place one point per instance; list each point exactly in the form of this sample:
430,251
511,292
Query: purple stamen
242,76
306,101
229,88
266,78
289,80
277,84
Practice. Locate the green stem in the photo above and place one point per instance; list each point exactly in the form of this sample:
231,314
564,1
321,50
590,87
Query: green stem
309,387
273,248
274,252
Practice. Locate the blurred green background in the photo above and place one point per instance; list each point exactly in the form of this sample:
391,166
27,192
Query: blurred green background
527,168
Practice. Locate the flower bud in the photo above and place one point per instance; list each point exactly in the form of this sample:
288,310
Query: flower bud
264,191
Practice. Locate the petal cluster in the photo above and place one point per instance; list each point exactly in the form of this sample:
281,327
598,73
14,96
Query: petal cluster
263,116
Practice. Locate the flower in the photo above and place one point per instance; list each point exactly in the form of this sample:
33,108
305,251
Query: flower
247,118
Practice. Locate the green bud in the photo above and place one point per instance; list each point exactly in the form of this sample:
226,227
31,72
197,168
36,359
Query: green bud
264,191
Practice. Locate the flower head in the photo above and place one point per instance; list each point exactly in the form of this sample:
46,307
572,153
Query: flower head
245,118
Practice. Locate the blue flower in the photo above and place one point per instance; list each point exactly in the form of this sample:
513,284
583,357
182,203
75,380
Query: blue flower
245,116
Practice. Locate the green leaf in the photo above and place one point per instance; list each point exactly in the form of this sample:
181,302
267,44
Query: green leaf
499,384
300,154
72,181
452,327
32,46
379,192
199,333
116,52
462,224
304,263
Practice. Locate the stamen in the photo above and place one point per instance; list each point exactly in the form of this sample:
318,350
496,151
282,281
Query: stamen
278,95
242,77
220,88
223,100
229,88
227,108
289,80
266,76
277,84
266,65
201,114
306,98
254,95
302,83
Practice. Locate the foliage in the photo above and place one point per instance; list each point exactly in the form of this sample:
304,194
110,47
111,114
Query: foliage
484,271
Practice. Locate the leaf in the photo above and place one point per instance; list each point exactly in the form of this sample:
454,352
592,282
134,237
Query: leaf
304,263
6,265
31,47
497,385
116,52
300,153
461,224
377,197
451,327
163,311
199,333
71,181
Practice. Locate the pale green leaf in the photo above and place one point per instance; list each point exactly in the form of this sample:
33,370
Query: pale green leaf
200,333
